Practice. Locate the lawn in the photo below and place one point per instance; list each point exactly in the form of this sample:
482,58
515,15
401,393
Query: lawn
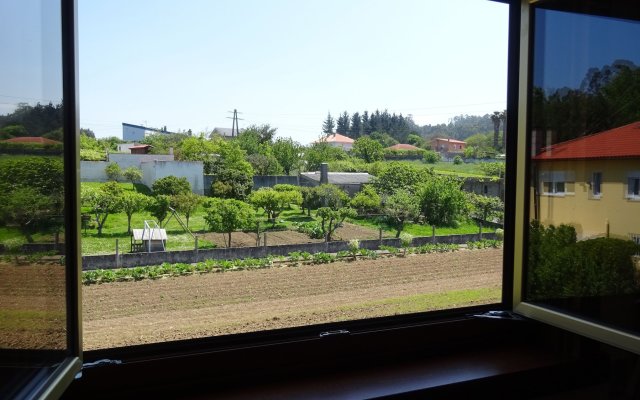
449,168
418,229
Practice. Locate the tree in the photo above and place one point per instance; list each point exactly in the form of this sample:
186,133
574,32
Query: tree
113,171
496,118
133,202
310,199
265,164
328,125
10,131
228,215
366,200
355,131
442,200
264,133
274,202
485,208
399,176
27,208
416,140
383,138
287,152
332,219
431,157
342,124
133,174
321,152
186,204
331,196
401,207
368,149
160,207
102,202
231,184
171,186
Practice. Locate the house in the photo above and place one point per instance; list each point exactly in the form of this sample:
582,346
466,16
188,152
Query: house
140,149
337,140
350,182
226,133
133,133
403,146
448,145
591,183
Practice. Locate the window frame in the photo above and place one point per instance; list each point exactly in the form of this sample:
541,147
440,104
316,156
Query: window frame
525,171
369,329
596,182
633,194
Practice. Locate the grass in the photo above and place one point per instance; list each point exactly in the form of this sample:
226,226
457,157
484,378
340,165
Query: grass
434,301
463,170
418,229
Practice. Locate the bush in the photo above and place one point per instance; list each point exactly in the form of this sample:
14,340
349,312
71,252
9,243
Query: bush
431,157
113,171
561,267
171,186
312,229
457,160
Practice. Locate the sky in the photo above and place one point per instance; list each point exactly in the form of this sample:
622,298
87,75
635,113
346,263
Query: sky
186,65
574,43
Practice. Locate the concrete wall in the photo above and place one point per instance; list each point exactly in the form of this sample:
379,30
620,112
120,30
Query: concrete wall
134,160
192,170
485,187
93,171
132,133
129,260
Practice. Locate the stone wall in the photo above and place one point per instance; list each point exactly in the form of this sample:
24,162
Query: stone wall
128,260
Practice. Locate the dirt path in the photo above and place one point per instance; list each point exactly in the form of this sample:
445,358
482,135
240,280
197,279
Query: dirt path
126,313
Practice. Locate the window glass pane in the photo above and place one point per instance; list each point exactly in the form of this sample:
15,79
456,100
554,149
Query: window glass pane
33,318
585,118
404,101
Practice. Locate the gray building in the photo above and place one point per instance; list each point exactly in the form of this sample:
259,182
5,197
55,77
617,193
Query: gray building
136,133
350,182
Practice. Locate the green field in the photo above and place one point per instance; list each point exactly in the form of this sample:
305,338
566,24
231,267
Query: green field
462,170
417,229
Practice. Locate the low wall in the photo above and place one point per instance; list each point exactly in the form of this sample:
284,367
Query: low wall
129,260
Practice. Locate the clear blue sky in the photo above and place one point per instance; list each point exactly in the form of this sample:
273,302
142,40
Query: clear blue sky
286,63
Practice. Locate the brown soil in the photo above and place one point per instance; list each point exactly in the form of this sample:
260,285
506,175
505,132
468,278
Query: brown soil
128,313
240,239
32,306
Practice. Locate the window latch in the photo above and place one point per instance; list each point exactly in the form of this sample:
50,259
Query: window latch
338,332
500,314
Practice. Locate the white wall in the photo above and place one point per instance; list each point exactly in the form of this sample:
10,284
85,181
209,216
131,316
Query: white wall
192,170
132,133
93,171
134,160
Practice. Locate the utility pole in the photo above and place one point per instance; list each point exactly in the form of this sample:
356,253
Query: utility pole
235,130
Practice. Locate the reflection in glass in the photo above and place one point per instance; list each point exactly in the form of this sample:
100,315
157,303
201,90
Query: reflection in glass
32,271
585,167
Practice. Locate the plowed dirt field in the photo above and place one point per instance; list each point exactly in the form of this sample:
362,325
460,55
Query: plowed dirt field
128,313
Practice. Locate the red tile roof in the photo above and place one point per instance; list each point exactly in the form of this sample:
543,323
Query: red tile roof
31,139
403,146
622,142
335,138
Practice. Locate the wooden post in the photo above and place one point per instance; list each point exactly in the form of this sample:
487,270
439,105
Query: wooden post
265,239
196,244
117,254
433,233
480,223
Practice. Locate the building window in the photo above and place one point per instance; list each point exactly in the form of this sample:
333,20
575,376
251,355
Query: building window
596,185
633,187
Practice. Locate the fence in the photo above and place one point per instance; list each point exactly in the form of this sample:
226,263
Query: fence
129,260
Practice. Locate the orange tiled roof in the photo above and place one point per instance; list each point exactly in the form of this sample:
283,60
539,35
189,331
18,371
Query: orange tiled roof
336,138
450,140
621,142
31,139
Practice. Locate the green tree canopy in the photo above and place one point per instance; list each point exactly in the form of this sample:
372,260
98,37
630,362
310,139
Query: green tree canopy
442,200
331,219
287,152
368,149
102,202
228,215
366,200
397,176
321,152
132,174
171,186
113,171
133,202
186,204
401,207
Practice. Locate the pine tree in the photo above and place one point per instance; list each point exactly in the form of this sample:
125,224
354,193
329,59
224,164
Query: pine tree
343,123
355,130
366,125
328,125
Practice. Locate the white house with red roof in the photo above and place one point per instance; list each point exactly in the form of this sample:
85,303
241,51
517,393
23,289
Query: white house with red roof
591,182
337,140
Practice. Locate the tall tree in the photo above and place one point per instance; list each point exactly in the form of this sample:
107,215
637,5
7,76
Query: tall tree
287,152
356,126
228,215
366,124
496,119
401,207
328,125
343,124
368,149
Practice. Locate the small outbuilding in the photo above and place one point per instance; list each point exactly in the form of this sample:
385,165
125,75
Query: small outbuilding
148,239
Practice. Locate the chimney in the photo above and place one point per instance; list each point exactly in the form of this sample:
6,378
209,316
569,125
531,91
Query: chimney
324,173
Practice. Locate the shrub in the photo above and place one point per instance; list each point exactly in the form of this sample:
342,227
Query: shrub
312,229
113,171
354,247
457,160
171,186
431,157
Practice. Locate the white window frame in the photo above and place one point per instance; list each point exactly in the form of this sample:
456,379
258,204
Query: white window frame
635,176
553,178
593,183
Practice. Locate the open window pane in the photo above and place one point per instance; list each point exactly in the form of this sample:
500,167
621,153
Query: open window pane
238,112
583,254
38,348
